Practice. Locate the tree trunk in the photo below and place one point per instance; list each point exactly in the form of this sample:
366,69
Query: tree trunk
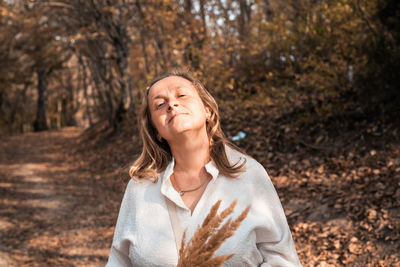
40,123
142,31
85,88
244,20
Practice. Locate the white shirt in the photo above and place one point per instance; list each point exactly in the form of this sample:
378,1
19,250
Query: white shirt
144,237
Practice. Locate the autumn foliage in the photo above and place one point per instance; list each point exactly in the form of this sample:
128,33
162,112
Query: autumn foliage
81,62
313,85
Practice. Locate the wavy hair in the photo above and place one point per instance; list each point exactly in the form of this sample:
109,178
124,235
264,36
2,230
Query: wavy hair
156,154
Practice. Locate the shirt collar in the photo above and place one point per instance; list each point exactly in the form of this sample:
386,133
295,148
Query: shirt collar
212,169
166,186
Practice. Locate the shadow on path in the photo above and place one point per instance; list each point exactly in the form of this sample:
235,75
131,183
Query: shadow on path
49,213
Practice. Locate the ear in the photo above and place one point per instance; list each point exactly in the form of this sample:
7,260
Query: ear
208,112
159,137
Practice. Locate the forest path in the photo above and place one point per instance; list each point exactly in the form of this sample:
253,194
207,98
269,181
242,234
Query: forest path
49,215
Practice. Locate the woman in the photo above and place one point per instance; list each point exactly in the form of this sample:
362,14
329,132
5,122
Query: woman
185,167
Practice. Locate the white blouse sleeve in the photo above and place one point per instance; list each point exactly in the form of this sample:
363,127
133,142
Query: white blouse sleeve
118,258
273,237
119,253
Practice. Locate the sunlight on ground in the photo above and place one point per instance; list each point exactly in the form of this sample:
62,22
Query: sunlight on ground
73,243
6,185
5,225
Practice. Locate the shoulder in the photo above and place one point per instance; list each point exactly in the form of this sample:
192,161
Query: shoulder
135,186
135,183
251,165
253,173
138,195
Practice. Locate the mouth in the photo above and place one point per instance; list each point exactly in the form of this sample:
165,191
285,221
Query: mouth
176,115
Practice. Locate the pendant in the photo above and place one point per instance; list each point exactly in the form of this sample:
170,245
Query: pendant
181,193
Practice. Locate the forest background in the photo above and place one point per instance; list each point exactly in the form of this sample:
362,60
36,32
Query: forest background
309,88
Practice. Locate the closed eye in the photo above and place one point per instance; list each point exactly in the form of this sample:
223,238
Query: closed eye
160,104
181,95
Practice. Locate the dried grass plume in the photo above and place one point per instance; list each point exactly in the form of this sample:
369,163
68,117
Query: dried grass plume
209,237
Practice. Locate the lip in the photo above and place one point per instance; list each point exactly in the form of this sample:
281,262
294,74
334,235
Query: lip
177,114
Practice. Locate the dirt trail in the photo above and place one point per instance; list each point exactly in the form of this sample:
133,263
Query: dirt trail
49,215
58,208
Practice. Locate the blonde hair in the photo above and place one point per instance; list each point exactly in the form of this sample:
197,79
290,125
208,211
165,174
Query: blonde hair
156,154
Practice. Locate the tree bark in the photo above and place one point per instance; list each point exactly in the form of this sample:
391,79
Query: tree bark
40,123
244,19
85,88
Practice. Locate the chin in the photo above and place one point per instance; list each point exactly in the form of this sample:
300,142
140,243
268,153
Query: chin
181,130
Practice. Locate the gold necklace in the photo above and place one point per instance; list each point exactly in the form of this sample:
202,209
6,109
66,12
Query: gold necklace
182,192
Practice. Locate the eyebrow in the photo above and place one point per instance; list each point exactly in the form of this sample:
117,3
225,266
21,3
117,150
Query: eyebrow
157,97
160,96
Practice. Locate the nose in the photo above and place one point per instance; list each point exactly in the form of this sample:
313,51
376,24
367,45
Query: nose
172,104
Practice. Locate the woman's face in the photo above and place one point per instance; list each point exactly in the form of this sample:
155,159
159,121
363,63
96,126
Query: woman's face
176,107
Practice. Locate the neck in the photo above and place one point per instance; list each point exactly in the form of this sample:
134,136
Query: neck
191,153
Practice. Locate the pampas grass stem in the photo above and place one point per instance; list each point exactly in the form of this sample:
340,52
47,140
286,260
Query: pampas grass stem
209,237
